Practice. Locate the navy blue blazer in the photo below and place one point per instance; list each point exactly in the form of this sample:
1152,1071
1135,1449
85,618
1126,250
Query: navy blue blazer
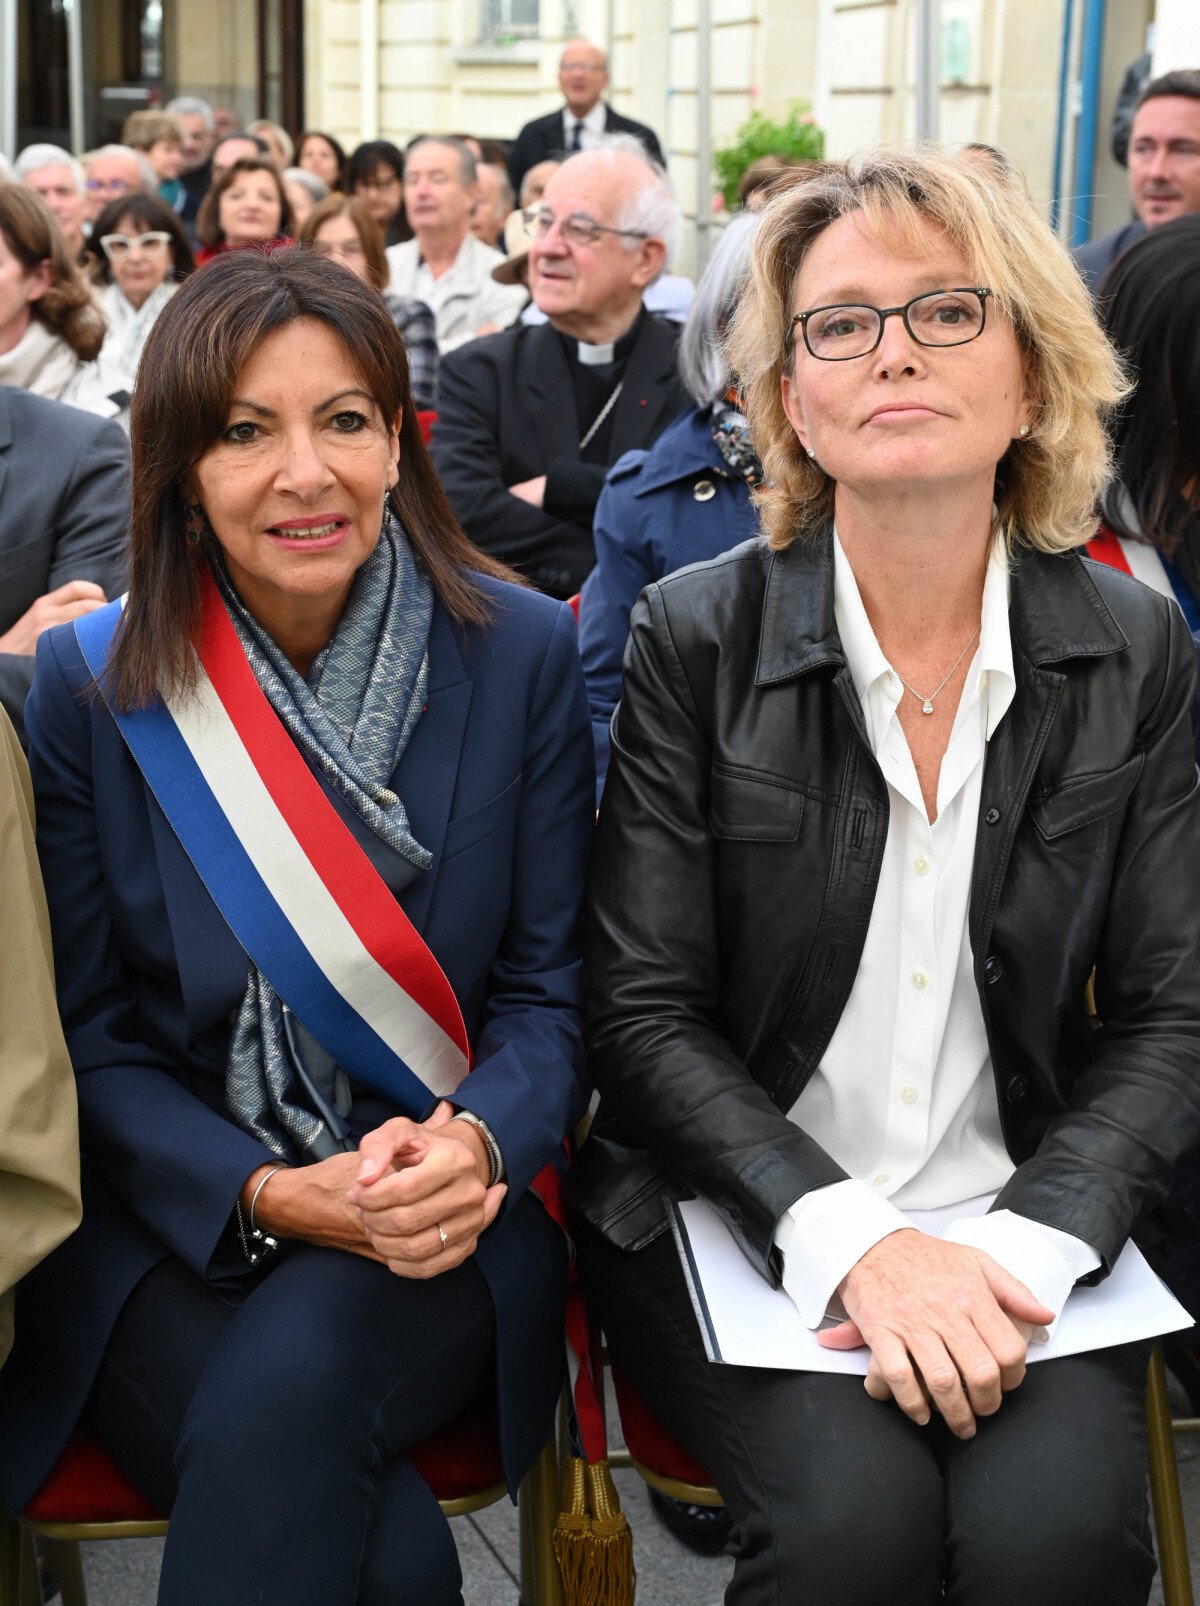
660,509
497,779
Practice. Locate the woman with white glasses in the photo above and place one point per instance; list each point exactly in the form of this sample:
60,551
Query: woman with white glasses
140,253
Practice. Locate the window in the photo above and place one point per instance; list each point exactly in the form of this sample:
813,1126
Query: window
501,22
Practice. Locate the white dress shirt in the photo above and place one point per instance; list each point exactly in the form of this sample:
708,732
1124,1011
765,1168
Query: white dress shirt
592,131
904,1098
464,298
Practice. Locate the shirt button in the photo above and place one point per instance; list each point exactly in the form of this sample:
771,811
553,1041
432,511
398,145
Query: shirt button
921,865
909,1093
882,1180
919,979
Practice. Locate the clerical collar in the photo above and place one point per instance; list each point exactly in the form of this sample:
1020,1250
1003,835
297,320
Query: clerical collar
616,351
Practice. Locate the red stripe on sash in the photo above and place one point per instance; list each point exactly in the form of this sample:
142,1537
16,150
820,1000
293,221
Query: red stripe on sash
1105,547
351,879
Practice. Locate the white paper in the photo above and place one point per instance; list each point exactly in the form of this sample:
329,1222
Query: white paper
745,1322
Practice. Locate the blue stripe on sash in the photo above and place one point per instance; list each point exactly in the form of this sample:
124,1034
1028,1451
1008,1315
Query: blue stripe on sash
245,901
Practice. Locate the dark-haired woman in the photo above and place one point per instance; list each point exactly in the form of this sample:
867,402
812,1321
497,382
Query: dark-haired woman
1150,305
246,209
50,328
375,173
315,856
140,254
320,154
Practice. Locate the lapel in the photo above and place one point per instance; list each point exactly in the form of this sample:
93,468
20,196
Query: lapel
650,384
426,775
5,436
544,376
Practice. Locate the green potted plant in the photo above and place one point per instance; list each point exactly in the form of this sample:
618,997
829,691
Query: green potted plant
797,138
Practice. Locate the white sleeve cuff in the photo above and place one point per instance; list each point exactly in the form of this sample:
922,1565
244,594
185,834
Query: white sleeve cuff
1047,1261
823,1234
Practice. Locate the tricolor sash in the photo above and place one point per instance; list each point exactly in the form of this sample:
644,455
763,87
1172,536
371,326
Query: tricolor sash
296,889
1145,563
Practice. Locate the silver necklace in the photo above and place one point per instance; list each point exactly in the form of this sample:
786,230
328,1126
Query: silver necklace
927,702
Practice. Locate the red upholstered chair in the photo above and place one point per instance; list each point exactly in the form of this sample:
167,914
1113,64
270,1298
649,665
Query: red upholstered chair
654,1454
86,1497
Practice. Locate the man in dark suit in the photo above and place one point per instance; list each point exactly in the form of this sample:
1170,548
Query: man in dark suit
64,520
582,122
531,419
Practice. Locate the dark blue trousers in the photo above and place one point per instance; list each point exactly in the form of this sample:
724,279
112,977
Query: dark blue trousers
272,1427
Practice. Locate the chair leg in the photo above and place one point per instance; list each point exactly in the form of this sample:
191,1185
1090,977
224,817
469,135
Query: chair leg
31,1584
68,1560
1164,1488
10,1561
541,1582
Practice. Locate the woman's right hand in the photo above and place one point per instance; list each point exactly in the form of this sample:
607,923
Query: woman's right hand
311,1203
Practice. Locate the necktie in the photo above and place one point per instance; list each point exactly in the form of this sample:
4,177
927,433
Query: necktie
577,137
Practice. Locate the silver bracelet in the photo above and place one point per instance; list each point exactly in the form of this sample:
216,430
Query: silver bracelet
495,1158
252,1234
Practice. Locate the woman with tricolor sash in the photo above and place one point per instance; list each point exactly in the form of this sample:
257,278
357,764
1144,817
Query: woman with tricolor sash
313,814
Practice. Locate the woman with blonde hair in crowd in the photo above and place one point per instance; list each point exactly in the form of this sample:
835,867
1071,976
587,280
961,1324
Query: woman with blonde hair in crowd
343,228
887,787
51,330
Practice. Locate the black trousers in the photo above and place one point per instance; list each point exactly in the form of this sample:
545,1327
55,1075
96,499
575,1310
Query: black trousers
272,1427
838,1498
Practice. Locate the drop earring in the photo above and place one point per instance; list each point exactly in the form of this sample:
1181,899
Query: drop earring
193,523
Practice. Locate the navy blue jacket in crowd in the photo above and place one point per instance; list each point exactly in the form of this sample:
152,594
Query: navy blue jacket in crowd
497,782
661,509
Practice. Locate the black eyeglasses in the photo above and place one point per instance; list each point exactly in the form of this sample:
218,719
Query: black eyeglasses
940,318
576,229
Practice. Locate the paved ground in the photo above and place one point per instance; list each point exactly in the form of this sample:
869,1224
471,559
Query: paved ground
125,1574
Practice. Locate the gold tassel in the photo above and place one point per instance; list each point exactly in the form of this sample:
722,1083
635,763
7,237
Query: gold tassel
592,1539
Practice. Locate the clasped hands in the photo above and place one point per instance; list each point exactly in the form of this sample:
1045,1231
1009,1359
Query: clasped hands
948,1328
388,1200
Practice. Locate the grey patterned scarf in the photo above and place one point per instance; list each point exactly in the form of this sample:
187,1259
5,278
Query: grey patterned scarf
351,717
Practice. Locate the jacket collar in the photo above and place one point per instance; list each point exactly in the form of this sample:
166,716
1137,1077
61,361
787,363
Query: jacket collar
684,448
1056,612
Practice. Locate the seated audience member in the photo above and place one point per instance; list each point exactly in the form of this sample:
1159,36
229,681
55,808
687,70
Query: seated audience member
864,840
114,171
1164,167
444,265
51,330
757,184
246,209
58,178
139,253
343,229
278,141
159,138
533,185
64,521
195,119
1149,302
39,1130
226,121
309,1252
530,420
304,190
238,147
494,203
682,500
321,155
375,173
583,120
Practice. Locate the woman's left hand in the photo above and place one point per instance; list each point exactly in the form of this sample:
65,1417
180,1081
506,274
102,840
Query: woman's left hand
418,1181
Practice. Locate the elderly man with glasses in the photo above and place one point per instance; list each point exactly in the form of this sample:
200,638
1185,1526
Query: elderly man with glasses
531,419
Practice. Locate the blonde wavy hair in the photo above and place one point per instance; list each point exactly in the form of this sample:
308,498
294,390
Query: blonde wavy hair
1047,486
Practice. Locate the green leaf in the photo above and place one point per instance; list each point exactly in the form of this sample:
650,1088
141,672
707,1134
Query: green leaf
798,138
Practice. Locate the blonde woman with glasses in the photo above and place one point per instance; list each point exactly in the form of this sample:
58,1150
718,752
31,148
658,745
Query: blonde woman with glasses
887,786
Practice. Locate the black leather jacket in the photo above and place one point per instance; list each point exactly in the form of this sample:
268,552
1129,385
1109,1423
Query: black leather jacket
738,853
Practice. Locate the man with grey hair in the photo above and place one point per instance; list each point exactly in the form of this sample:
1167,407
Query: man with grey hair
444,265
58,178
114,171
530,420
195,119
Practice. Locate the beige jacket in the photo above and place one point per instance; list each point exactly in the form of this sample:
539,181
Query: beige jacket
39,1134
466,297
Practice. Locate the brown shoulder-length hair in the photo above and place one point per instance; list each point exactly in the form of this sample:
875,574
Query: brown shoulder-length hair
369,233
1047,486
208,220
189,370
148,213
32,234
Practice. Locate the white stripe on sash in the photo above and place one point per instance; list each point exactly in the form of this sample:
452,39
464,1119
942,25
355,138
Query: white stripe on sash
1146,565
412,1035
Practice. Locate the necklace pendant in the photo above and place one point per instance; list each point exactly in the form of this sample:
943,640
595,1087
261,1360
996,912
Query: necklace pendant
927,707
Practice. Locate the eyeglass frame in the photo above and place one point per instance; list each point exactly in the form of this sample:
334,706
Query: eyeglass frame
883,313
532,216
118,186
161,238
